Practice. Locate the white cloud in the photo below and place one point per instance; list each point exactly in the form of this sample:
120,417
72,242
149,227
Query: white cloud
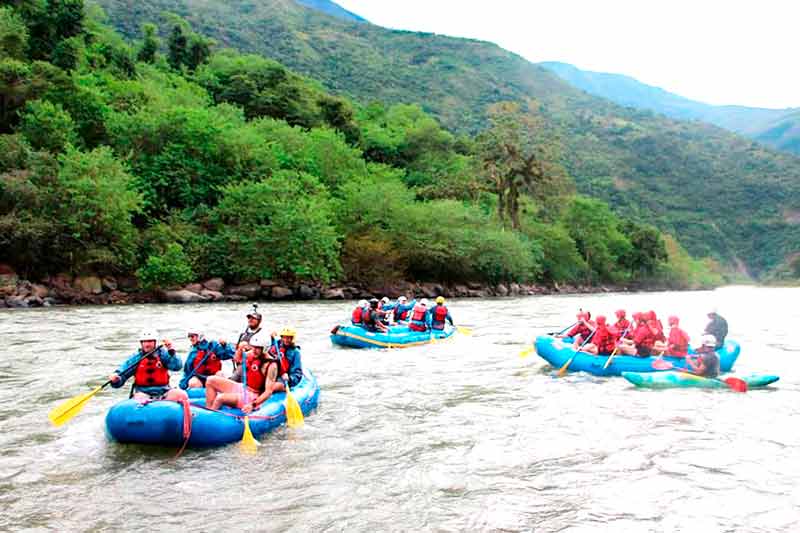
721,52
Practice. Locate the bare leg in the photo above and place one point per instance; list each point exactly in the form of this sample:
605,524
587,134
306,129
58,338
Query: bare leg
176,395
195,383
590,348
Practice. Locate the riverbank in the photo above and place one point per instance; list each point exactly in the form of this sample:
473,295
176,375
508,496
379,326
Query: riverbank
65,289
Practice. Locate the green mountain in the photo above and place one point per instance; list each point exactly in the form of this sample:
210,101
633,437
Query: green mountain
718,193
779,128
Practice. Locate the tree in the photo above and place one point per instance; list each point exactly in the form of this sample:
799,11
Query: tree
167,270
515,159
178,47
47,126
13,34
147,52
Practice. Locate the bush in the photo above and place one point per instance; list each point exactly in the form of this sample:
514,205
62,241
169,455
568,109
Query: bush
275,228
167,270
47,126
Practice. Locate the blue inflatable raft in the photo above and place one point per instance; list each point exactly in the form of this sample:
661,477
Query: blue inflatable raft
162,422
558,351
396,337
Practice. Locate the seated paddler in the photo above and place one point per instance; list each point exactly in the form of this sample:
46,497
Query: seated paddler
149,367
204,360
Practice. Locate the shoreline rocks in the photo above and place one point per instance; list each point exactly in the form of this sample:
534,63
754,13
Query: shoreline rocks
64,289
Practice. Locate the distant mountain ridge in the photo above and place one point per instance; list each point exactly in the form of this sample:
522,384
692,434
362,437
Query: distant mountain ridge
333,9
778,128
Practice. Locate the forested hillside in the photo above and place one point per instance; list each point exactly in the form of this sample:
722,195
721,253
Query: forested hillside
176,161
778,128
718,193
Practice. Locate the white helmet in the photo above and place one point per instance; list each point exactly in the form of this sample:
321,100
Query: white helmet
148,335
363,303
424,302
195,331
402,299
708,340
258,340
385,300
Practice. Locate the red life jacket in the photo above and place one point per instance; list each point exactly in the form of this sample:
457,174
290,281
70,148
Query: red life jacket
439,316
580,329
604,340
678,342
643,336
621,325
357,315
283,361
255,377
418,314
211,366
151,372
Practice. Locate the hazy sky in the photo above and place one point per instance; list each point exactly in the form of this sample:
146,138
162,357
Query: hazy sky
743,52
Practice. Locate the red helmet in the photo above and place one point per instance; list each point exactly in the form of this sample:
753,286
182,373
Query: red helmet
620,313
673,320
601,320
637,316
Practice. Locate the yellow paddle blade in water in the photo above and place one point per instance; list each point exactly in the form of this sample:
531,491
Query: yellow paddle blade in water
64,411
464,331
249,443
526,352
563,370
294,415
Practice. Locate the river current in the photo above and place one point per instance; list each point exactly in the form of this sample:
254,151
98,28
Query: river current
462,435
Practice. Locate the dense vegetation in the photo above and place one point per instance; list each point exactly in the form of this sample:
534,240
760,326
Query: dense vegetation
778,128
175,161
719,194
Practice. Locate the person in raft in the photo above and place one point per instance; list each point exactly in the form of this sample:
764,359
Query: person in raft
373,318
253,326
420,317
151,374
400,310
582,329
718,327
223,391
604,339
439,314
643,339
357,316
622,325
204,359
290,369
705,361
677,345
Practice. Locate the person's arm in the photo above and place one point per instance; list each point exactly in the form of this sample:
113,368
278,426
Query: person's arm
169,358
125,371
223,350
449,318
296,368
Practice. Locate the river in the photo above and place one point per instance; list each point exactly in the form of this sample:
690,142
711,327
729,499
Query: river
459,436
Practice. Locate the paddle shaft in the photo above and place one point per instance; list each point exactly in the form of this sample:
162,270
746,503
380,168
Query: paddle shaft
611,357
563,369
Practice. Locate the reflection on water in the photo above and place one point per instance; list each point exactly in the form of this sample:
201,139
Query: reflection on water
462,435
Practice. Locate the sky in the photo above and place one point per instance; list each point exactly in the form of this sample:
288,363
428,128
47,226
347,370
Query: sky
741,52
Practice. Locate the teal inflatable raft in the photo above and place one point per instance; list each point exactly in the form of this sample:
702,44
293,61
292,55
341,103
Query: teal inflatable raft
673,380
164,423
558,351
396,337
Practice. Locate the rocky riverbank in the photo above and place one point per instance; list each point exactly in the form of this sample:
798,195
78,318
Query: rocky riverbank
65,289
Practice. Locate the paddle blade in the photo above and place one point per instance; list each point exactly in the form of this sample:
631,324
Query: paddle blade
737,384
464,331
660,364
64,411
249,443
294,415
563,370
526,352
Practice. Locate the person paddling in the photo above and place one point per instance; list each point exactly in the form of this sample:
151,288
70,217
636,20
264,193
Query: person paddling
373,318
419,316
357,316
677,345
706,360
718,327
401,309
439,314
258,365
204,359
603,340
622,324
151,374
582,329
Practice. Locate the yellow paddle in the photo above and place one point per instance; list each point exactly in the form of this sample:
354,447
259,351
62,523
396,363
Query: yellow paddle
611,357
563,370
65,411
294,415
464,331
